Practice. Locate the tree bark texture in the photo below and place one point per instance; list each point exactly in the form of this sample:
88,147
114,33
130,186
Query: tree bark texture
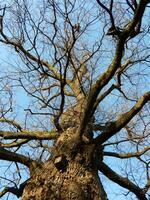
76,183
70,173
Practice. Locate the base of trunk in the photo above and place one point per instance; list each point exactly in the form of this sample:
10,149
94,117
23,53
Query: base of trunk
77,182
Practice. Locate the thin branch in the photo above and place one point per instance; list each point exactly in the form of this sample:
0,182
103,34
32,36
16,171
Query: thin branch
127,155
109,11
102,96
11,122
19,47
130,5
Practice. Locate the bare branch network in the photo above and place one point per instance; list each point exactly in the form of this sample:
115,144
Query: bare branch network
81,70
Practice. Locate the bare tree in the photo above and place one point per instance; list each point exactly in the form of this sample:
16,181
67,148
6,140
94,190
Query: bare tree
82,68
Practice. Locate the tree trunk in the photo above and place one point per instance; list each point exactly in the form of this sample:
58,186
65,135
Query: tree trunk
70,173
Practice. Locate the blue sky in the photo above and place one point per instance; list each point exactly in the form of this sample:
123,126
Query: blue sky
21,99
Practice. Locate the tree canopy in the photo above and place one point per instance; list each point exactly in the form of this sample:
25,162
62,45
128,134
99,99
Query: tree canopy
79,72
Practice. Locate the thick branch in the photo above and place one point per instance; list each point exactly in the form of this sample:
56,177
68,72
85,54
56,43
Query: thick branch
14,190
16,143
123,120
15,157
33,135
123,182
100,83
136,20
103,80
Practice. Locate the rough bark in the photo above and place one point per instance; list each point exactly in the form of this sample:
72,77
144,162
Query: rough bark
77,182
72,169
70,173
